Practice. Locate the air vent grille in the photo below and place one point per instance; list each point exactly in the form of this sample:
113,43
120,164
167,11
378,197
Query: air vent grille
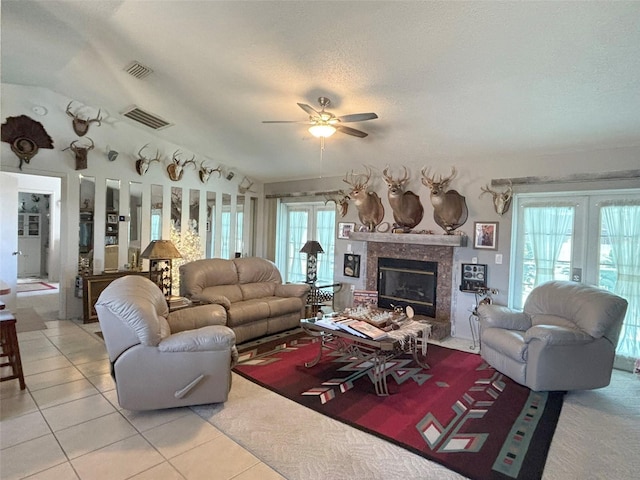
147,119
136,69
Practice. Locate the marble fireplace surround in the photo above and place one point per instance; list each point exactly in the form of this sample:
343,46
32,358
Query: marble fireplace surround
442,254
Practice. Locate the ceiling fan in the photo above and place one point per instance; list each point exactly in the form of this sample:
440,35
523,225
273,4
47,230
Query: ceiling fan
324,124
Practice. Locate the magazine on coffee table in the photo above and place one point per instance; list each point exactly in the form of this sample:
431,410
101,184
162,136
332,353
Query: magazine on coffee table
374,333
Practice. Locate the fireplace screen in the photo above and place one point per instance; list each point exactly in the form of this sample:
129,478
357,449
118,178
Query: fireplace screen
407,282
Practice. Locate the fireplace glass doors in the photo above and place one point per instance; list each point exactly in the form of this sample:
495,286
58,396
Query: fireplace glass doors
407,282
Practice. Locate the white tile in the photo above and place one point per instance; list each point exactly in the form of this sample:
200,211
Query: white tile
112,396
54,377
87,355
180,435
94,434
11,388
104,382
66,392
31,457
92,369
164,471
77,411
220,455
17,405
45,365
149,419
118,461
260,471
21,429
63,471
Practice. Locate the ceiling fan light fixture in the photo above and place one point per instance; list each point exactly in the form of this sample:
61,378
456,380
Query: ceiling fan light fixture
322,130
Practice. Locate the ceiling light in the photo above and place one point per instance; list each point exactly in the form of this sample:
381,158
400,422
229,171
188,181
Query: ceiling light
322,130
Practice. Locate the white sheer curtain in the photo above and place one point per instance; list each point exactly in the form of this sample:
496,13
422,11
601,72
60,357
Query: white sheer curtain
296,264
547,228
325,227
622,225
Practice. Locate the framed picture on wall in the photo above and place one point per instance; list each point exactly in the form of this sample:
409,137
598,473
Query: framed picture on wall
485,235
345,229
351,265
112,218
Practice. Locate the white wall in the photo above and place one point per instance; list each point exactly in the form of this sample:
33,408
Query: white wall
119,135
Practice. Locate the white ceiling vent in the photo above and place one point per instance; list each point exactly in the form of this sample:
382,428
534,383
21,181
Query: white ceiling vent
145,118
136,69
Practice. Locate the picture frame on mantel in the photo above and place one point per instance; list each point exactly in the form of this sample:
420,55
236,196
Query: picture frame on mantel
485,235
345,229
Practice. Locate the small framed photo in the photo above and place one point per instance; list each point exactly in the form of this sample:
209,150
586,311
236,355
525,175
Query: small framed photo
112,218
351,265
485,235
345,229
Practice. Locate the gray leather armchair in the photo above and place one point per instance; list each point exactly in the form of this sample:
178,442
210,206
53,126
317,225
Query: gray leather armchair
162,359
564,339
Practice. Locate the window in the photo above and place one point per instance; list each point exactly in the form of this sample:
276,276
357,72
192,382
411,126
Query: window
297,223
592,238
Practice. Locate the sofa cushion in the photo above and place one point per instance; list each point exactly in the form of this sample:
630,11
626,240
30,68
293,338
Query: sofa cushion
255,269
200,274
281,306
542,319
230,292
247,311
251,291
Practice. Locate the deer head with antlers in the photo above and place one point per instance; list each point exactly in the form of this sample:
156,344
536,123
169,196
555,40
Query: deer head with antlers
143,163
406,206
368,204
81,125
80,153
176,169
205,172
449,207
341,200
501,200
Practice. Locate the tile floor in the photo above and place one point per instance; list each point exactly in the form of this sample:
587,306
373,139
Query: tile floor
68,425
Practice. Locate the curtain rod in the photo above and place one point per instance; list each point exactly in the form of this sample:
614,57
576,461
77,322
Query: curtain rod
574,178
320,193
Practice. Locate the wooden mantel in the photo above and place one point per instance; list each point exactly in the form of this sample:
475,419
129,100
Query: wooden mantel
411,238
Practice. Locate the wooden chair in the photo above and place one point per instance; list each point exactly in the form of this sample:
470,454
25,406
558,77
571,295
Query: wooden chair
10,348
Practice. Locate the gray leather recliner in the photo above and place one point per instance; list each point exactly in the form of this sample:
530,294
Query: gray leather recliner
564,339
162,359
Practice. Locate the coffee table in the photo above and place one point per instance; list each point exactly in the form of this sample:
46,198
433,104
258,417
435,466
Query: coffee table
409,338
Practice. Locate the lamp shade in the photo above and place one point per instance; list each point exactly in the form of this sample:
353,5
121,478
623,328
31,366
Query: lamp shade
161,250
322,130
312,246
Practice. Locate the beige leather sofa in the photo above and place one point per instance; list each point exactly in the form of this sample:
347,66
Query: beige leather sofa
564,339
161,359
251,291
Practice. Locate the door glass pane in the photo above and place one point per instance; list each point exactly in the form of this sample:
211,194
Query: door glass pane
176,208
112,226
225,237
240,224
194,210
156,212
135,225
325,233
87,202
211,224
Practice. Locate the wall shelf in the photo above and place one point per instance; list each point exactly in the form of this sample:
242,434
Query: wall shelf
412,238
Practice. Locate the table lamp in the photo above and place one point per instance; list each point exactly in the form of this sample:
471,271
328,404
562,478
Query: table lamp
312,248
160,253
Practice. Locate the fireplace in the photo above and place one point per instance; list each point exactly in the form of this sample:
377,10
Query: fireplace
403,282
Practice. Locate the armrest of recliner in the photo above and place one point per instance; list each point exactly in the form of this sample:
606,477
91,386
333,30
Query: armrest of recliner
205,339
292,290
555,335
498,316
198,316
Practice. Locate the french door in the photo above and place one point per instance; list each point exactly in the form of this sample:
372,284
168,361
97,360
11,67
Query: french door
297,223
593,238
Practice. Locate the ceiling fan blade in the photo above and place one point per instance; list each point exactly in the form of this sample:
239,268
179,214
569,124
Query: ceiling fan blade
357,117
308,109
351,131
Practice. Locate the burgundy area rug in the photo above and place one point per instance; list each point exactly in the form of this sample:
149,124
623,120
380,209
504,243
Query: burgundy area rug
33,287
460,412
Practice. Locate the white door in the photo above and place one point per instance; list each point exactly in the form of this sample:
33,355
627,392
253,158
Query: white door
9,237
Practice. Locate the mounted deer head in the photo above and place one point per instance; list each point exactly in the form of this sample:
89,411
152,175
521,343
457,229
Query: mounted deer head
406,206
205,172
80,153
143,163
341,200
449,207
368,204
176,169
80,125
501,200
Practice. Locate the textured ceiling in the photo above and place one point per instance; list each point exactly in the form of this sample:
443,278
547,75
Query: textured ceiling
449,80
